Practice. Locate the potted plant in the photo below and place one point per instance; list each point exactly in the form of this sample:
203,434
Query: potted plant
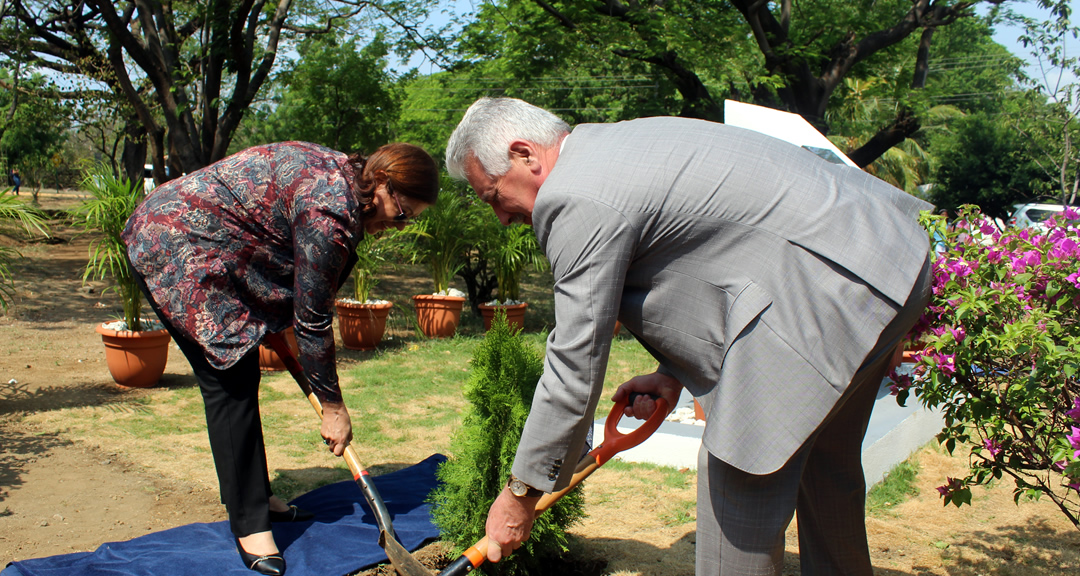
440,240
269,359
510,250
136,350
361,319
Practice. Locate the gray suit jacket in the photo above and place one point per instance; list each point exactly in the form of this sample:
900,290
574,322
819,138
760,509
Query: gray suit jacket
758,275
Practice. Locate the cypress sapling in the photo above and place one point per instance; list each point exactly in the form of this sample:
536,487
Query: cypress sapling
505,370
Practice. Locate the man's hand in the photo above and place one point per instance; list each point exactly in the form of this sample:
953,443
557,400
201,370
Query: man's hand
336,427
656,384
509,523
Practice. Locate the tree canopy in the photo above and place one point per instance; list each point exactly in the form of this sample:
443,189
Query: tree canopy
333,94
29,132
778,54
189,70
188,82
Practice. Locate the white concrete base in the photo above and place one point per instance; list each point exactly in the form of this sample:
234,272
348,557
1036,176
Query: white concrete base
893,434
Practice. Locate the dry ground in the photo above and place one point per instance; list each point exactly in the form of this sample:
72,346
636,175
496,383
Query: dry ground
61,494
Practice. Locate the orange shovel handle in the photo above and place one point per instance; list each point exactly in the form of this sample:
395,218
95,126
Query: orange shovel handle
614,442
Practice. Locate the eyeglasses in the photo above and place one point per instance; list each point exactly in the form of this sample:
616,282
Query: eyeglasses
402,216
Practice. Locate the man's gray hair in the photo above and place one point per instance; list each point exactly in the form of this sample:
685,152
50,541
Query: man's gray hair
488,128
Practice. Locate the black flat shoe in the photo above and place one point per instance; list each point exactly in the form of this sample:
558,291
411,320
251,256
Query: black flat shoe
293,514
271,564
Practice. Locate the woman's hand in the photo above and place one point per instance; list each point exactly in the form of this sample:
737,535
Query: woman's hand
336,427
656,384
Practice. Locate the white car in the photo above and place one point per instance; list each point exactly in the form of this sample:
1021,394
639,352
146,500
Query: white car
1032,214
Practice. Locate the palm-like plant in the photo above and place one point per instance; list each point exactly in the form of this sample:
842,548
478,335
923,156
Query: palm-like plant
511,251
113,201
441,238
865,108
29,219
372,253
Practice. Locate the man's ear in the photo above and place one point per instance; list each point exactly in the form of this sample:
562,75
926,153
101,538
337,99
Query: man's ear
525,151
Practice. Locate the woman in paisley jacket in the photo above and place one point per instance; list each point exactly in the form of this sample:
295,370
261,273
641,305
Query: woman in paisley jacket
256,243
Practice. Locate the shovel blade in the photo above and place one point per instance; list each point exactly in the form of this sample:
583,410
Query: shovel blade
400,559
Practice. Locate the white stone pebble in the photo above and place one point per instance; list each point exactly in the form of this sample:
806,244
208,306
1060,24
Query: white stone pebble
684,416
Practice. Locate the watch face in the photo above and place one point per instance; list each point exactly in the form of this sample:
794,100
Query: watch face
518,488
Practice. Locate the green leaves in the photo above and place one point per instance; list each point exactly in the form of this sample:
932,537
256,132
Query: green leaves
112,201
336,94
511,250
32,221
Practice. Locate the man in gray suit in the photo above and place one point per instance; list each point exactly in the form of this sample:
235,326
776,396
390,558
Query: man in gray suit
770,283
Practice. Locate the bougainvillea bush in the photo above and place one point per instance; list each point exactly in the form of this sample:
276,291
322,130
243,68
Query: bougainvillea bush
1000,354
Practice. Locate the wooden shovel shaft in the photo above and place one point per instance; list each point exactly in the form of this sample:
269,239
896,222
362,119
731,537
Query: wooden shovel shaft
399,557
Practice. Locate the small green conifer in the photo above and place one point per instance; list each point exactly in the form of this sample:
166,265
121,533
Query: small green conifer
505,370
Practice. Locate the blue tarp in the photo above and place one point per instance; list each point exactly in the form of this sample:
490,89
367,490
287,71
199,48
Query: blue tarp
343,538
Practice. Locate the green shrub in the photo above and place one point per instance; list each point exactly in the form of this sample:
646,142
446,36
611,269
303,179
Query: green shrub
505,371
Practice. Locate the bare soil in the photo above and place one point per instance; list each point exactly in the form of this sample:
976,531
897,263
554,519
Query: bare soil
60,495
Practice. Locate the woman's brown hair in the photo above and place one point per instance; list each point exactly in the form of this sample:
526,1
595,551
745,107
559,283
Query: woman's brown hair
411,170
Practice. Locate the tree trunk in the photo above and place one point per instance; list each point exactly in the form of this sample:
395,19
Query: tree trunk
133,157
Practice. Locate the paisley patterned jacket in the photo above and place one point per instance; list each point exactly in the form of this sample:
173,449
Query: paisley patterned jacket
255,243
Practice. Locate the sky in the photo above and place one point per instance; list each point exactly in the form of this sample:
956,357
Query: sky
1008,36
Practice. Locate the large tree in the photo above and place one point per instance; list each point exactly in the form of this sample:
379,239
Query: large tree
798,55
983,161
188,69
32,128
334,94
1050,120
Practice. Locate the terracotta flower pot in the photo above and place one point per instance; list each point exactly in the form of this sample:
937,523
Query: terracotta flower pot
135,359
269,360
362,325
438,316
515,314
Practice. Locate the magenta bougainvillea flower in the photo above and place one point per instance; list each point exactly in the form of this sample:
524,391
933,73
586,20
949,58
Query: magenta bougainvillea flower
946,363
960,268
900,382
992,446
1062,249
1074,278
950,487
1074,413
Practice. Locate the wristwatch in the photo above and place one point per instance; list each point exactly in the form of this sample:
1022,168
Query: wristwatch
522,490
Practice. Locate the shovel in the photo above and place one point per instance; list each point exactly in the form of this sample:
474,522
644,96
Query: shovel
614,442
399,557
